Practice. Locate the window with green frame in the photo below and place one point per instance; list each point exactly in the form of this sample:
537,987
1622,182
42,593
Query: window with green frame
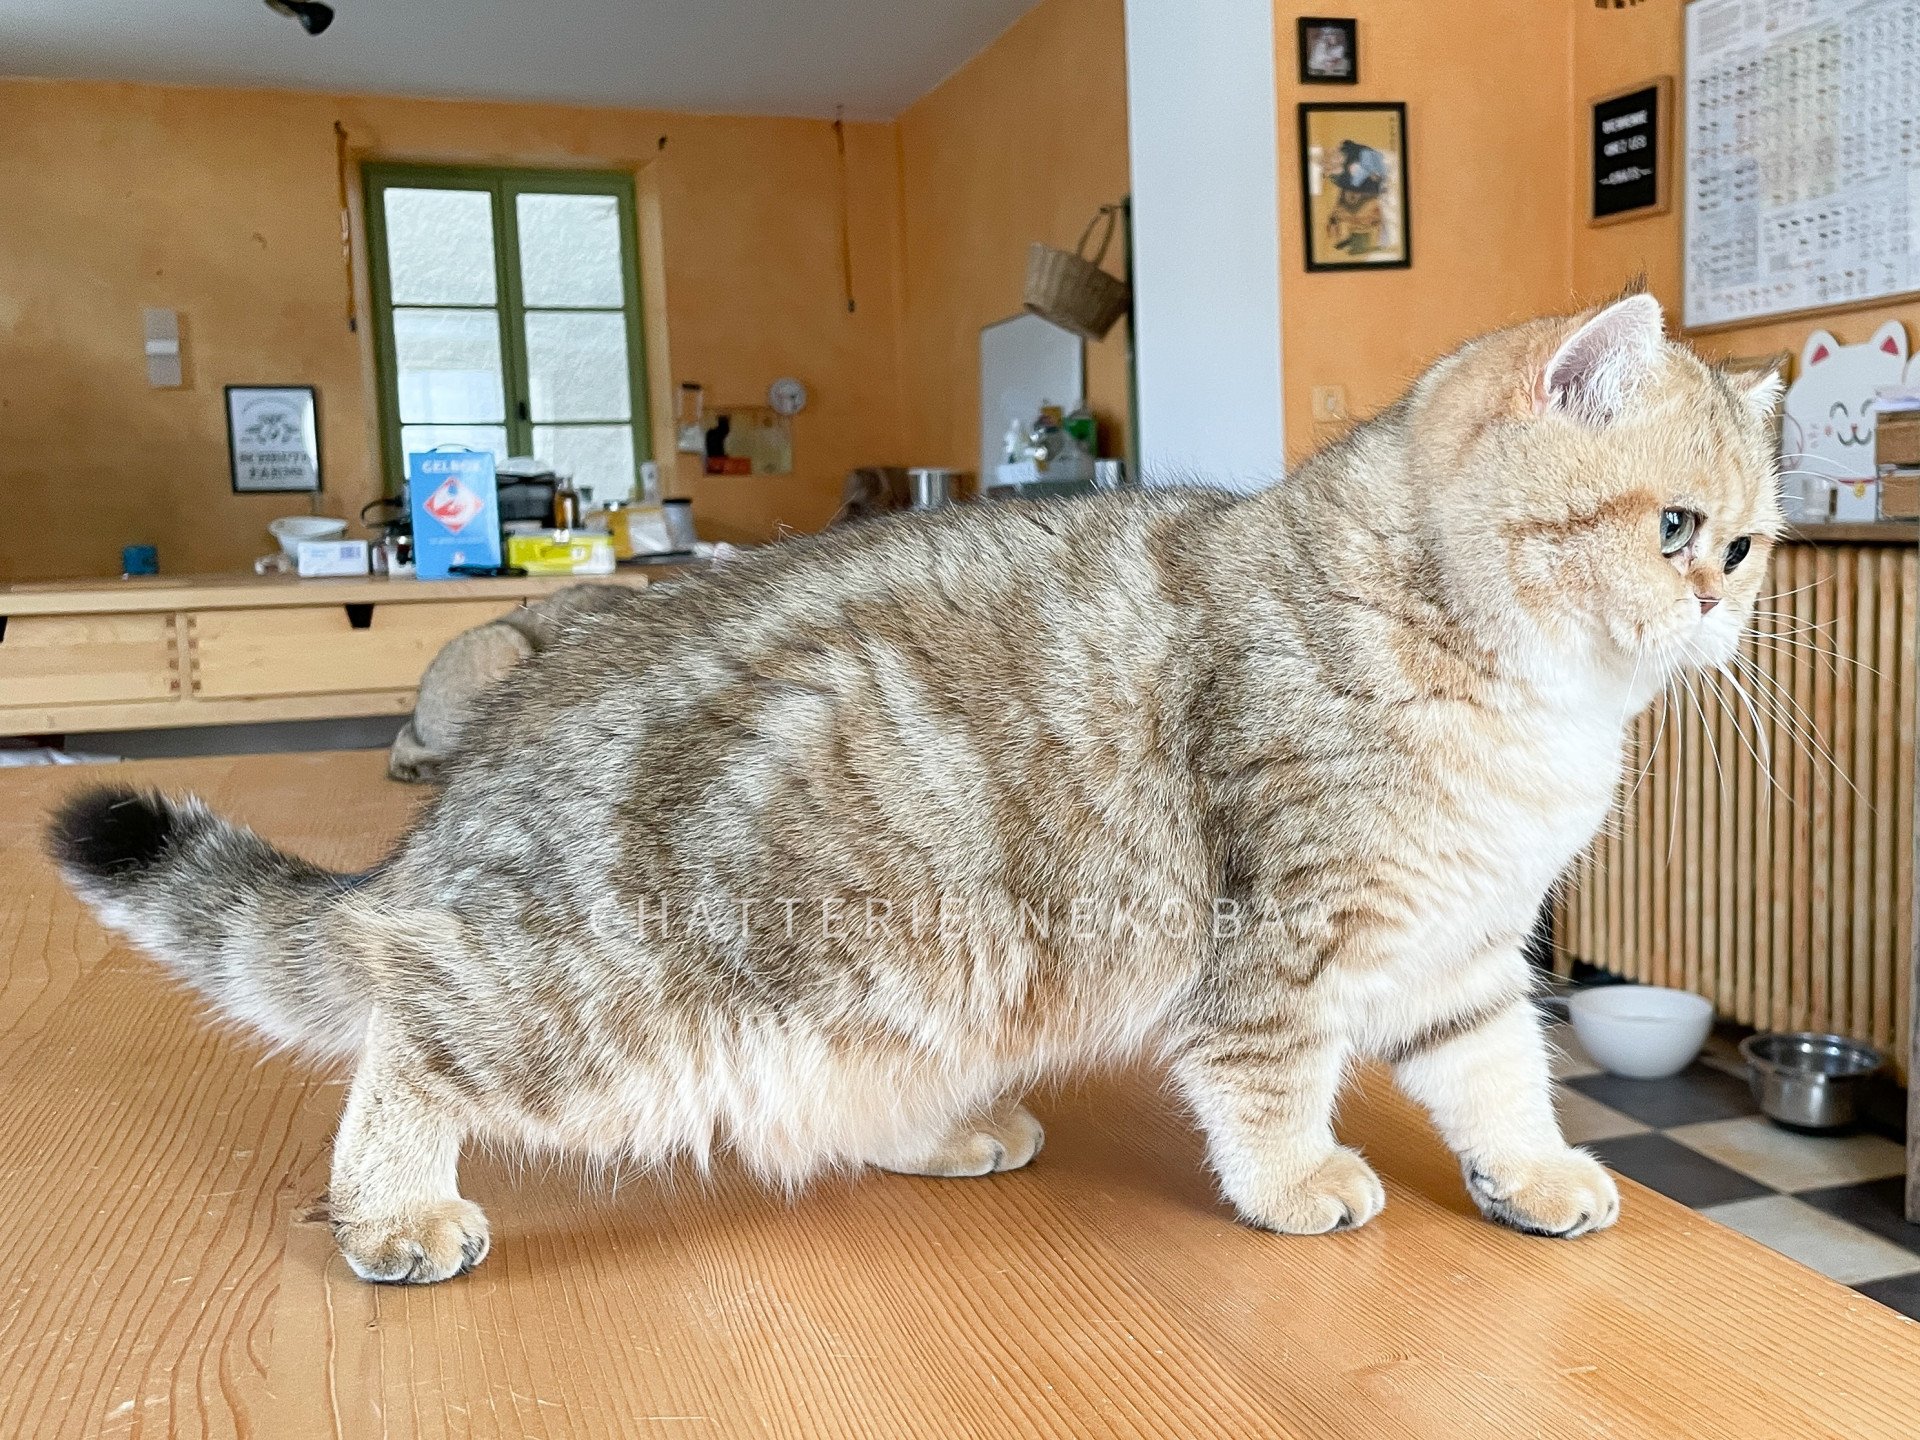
508,311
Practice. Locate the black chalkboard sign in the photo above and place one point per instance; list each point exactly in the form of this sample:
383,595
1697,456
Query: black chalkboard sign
1629,152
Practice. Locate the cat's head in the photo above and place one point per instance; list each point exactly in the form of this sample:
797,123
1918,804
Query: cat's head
1601,491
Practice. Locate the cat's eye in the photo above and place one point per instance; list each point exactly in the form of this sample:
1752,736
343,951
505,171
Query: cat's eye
1676,529
1737,551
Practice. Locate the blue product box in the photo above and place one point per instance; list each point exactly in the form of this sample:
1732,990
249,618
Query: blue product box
456,511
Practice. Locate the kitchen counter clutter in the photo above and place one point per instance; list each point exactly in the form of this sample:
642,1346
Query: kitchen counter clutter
164,651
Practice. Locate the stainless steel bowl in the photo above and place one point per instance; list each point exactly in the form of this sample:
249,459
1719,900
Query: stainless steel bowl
1807,1079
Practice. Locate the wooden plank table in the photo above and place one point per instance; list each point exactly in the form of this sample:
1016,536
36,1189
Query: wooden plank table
163,1271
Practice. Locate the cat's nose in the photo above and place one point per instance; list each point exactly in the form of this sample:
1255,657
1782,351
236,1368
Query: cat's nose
1707,602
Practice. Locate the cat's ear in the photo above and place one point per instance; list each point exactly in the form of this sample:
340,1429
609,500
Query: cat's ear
1890,339
1763,395
1820,346
1598,367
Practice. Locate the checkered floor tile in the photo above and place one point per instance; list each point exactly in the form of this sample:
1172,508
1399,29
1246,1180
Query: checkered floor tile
1834,1203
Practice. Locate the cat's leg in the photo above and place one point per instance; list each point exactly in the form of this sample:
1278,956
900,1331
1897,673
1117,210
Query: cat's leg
1005,1138
1482,1072
397,1212
1263,1089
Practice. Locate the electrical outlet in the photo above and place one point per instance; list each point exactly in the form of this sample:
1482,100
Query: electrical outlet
1329,402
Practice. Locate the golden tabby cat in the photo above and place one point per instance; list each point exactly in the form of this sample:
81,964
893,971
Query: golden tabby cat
827,858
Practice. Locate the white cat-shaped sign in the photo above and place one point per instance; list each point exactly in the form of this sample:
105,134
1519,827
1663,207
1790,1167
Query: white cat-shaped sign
1829,426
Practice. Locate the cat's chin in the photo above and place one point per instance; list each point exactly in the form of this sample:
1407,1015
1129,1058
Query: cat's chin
1703,647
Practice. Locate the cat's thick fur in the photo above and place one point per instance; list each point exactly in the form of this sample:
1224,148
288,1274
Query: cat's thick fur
471,664
825,859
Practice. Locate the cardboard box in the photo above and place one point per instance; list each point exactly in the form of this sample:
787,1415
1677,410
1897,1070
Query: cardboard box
1897,438
456,511
332,557
1900,494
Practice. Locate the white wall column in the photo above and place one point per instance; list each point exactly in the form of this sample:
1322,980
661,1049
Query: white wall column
1206,245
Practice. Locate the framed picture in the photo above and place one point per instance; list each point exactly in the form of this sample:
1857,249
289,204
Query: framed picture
273,438
1353,186
1329,51
1629,150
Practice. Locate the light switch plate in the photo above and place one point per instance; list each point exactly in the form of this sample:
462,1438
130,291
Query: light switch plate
162,346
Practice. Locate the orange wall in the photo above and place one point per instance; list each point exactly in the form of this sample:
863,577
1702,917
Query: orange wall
1617,48
1497,95
1489,194
222,204
1023,143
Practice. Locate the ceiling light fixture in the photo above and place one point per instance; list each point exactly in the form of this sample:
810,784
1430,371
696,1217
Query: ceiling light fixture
313,17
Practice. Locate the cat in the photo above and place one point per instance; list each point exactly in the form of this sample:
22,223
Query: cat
472,663
825,858
1830,426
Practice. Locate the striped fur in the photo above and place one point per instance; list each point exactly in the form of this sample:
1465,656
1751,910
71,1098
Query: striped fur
824,859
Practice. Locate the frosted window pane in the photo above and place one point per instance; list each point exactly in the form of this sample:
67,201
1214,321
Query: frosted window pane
570,250
577,366
440,247
415,438
449,363
599,457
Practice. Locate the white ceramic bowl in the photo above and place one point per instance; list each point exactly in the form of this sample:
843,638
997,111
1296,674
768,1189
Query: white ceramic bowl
290,530
1644,1032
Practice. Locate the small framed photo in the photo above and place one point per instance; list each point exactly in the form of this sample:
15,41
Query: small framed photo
1329,51
1353,186
273,438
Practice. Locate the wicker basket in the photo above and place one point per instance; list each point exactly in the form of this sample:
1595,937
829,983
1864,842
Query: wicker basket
1071,290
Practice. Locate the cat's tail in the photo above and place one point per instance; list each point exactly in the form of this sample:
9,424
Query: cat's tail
243,923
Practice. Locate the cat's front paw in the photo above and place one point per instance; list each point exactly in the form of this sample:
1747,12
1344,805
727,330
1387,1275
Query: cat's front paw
445,1240
1340,1193
1563,1193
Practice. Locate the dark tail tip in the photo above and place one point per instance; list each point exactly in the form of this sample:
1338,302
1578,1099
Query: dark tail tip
111,833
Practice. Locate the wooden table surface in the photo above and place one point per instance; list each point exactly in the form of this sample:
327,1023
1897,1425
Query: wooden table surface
162,1271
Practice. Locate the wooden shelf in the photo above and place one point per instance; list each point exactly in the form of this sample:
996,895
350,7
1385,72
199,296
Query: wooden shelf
1857,532
80,656
254,592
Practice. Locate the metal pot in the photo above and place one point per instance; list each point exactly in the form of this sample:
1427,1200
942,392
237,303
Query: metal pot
931,487
1807,1079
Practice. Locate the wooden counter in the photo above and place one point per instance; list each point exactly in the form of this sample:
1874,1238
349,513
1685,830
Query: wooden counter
158,651
162,1272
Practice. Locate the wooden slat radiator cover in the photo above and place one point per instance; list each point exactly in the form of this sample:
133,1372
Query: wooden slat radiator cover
1770,866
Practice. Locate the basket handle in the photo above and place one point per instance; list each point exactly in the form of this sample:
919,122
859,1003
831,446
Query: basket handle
1109,213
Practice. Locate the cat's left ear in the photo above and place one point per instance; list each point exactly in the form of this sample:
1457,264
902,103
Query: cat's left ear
1763,395
1598,367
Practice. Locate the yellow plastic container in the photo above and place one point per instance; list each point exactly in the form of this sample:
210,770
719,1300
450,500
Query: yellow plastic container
561,552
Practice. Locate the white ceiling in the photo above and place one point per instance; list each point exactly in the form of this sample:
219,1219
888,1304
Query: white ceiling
749,57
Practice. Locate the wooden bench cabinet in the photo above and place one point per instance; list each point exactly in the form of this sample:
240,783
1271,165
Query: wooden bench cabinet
137,654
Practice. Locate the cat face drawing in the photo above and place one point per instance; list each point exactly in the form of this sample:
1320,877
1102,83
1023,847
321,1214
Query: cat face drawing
1829,429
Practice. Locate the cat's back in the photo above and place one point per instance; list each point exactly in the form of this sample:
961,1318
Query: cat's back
987,647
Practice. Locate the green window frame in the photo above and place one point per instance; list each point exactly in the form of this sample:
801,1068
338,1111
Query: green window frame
504,186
